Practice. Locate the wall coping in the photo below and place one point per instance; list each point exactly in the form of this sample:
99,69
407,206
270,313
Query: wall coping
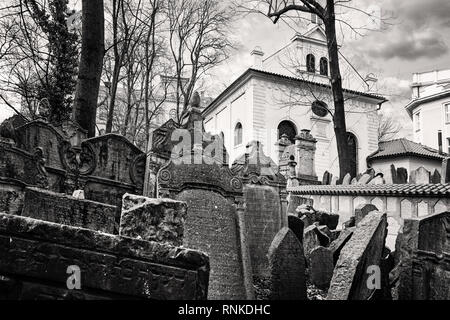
396,190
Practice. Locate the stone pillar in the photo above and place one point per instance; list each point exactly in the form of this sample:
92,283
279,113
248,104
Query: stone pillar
305,146
292,180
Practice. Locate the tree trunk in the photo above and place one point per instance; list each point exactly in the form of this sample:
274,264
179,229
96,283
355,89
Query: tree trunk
340,129
91,62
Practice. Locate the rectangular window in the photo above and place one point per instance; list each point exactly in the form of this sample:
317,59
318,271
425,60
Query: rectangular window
417,121
447,113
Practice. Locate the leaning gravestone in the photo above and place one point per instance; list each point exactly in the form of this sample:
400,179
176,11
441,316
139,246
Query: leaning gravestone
287,267
365,179
347,179
363,210
337,245
296,201
297,226
364,250
424,254
321,266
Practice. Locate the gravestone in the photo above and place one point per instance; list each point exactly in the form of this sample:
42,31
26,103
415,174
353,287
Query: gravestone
312,239
11,196
334,181
363,210
326,180
337,245
436,177
378,179
36,255
321,266
364,249
347,179
265,201
354,181
111,167
297,226
393,172
424,254
401,176
60,208
287,267
420,176
296,201
365,179
215,221
160,220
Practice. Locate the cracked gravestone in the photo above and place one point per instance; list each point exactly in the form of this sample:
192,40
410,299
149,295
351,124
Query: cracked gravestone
364,250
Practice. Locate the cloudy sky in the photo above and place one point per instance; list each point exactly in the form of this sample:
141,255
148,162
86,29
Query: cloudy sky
414,38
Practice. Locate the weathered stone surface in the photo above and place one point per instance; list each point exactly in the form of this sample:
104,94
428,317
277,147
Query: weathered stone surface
287,267
263,218
365,179
354,181
11,196
364,249
325,231
420,176
401,176
310,239
424,254
350,223
334,180
326,180
363,210
112,267
78,194
347,179
160,220
211,227
63,209
296,201
337,245
321,266
297,226
436,177
378,179
306,221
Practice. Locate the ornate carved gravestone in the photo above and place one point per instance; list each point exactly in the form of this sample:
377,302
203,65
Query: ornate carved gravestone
363,250
265,200
424,253
215,220
109,167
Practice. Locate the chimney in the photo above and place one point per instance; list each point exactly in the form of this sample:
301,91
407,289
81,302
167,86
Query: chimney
257,55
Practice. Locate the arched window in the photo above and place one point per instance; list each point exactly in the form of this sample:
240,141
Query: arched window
238,134
353,157
324,66
311,63
288,128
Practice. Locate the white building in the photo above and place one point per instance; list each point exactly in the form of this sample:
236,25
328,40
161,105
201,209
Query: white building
430,109
275,96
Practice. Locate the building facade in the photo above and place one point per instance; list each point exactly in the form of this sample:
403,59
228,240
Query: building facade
429,109
277,96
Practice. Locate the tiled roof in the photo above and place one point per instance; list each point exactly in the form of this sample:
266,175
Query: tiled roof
427,190
404,147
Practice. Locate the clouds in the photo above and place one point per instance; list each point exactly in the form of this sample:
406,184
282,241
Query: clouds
420,30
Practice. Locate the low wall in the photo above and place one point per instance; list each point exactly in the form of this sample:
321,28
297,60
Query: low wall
399,201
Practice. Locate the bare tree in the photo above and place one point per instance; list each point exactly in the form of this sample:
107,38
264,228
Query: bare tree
388,128
38,58
325,10
91,61
199,40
